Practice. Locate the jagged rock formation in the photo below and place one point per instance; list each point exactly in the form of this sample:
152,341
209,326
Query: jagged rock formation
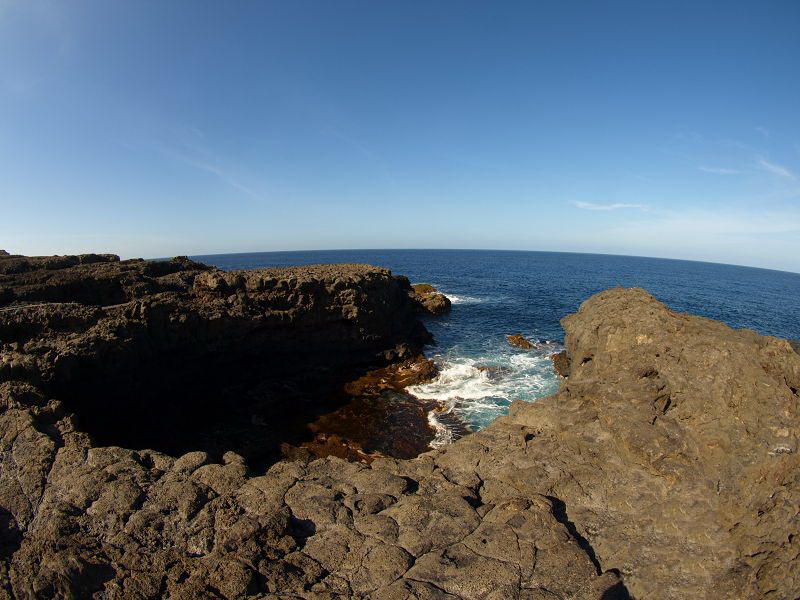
666,466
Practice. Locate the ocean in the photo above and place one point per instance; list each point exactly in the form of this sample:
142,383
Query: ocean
497,293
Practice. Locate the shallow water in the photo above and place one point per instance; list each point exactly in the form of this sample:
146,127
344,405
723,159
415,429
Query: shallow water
496,293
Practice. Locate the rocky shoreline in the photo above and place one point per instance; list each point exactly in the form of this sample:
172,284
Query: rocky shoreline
665,467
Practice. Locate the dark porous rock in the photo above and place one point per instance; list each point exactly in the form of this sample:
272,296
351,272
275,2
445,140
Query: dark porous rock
429,299
394,377
665,467
561,363
518,341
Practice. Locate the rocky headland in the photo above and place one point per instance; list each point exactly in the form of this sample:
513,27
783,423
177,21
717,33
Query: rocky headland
665,467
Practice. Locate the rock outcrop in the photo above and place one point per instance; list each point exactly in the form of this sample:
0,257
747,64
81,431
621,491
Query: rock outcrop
561,363
177,356
429,300
665,467
518,341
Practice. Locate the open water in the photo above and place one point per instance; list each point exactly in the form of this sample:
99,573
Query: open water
496,293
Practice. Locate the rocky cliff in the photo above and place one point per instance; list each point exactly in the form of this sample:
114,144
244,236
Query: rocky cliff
665,467
176,356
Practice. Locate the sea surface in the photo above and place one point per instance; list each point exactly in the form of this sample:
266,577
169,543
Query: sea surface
496,293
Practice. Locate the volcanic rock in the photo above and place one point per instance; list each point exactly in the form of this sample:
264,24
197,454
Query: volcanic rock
665,467
380,419
394,377
561,363
177,356
429,299
518,341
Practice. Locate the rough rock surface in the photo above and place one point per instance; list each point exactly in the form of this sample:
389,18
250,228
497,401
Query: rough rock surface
429,299
666,466
561,363
380,419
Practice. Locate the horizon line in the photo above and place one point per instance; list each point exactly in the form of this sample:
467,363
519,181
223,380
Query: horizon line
710,262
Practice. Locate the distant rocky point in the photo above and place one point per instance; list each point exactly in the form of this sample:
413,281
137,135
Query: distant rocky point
666,466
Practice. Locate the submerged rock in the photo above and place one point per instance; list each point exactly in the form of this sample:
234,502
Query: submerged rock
494,372
518,341
665,467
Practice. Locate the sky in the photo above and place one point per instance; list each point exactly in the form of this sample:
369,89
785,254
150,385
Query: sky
157,128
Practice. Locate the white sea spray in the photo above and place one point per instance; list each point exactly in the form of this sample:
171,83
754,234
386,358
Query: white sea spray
476,390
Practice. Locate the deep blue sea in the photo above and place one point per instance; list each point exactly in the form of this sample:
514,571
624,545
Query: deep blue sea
496,293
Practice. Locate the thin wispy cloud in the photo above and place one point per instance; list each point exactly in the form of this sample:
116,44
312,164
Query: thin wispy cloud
365,151
222,175
690,136
614,206
762,130
719,170
775,169
198,158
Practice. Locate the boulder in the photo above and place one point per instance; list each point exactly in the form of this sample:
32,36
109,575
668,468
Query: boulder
429,299
518,341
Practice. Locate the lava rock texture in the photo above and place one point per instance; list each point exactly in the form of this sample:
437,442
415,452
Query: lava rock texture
665,467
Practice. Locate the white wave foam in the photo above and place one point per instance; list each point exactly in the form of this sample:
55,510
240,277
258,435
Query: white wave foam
442,434
456,380
476,391
454,299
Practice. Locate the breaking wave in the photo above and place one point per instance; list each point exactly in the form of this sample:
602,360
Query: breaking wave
475,391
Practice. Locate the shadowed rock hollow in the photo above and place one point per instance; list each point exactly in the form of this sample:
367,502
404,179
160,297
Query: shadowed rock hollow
175,356
665,467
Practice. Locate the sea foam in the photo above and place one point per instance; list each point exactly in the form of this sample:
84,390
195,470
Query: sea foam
475,391
459,299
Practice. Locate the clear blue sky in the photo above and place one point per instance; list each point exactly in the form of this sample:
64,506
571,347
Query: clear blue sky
153,128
